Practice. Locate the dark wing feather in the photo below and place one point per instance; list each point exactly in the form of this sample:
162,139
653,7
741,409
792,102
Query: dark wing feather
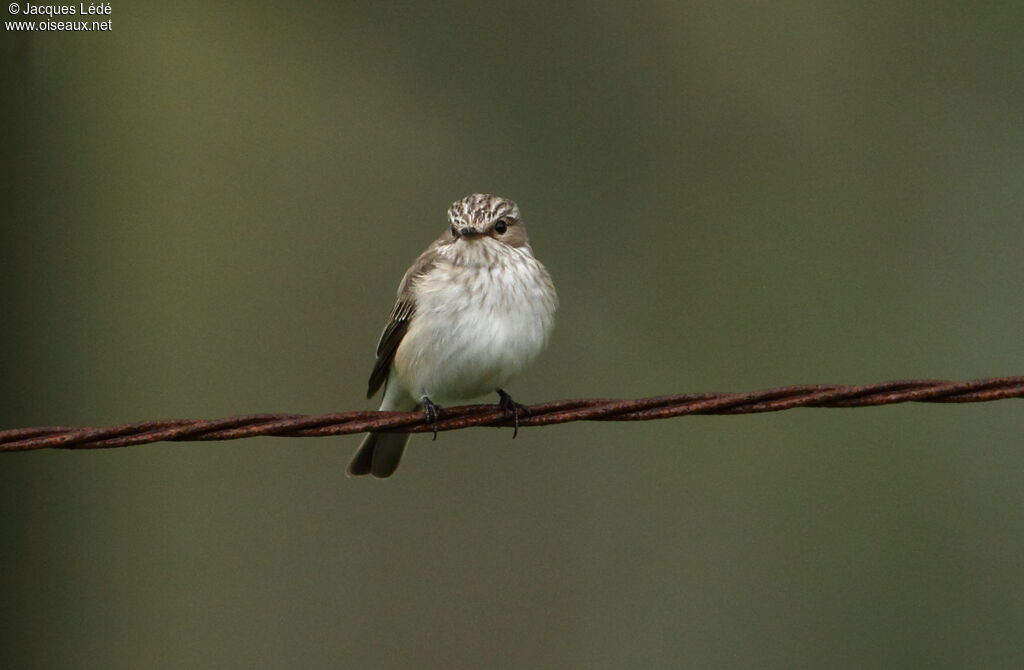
401,316
388,344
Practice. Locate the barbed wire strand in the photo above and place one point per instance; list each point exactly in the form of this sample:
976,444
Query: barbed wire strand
543,414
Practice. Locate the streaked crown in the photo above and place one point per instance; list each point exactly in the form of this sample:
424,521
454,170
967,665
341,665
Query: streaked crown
481,210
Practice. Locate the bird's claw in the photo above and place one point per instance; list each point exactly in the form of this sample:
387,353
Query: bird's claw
510,406
432,412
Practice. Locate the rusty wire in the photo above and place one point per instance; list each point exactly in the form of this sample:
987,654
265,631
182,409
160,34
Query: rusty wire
543,414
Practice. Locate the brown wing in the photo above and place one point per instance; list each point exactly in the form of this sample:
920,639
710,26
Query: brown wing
401,316
388,343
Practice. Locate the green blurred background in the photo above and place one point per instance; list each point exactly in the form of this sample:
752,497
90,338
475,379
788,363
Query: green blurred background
207,212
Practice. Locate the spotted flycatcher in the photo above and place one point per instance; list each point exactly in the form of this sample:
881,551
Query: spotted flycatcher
473,310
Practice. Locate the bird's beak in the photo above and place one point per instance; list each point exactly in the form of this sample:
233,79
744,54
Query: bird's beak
469,232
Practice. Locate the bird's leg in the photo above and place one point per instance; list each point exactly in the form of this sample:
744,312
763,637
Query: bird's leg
432,411
510,406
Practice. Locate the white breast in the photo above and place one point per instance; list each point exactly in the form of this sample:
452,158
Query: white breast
475,326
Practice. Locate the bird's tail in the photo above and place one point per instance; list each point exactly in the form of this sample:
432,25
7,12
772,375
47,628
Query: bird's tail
379,453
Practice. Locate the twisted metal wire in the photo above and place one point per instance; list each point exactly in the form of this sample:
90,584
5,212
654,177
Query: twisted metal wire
543,414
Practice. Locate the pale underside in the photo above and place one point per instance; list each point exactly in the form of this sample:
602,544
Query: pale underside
464,324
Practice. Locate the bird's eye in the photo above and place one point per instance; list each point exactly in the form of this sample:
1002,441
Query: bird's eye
455,231
500,227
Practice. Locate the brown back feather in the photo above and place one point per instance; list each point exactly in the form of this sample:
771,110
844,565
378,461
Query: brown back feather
401,316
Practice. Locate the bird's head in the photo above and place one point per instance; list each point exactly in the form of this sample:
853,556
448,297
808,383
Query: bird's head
481,217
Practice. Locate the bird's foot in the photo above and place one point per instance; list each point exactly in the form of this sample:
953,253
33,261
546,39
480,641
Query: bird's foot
432,412
510,406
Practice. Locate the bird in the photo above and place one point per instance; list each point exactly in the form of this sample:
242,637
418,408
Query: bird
473,310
